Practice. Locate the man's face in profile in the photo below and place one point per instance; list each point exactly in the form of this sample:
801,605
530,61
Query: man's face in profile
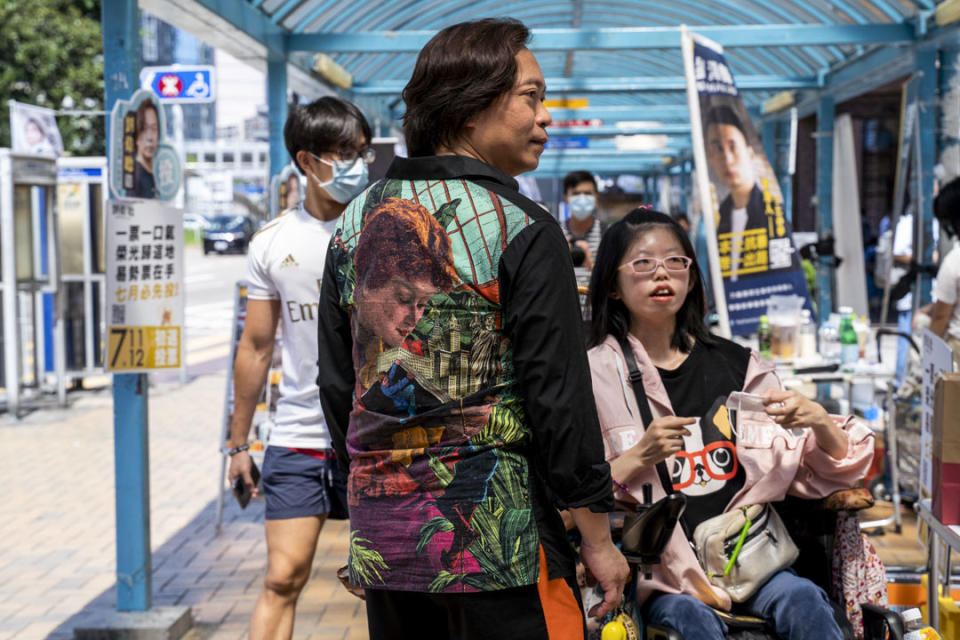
511,133
730,157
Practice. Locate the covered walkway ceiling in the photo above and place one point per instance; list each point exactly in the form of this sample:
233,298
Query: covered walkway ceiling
622,56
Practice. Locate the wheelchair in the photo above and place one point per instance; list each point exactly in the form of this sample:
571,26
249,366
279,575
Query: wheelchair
812,527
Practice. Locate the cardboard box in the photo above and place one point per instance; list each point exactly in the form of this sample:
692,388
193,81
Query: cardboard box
946,449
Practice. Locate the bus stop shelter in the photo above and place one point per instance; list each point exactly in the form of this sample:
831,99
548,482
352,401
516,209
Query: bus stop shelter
612,69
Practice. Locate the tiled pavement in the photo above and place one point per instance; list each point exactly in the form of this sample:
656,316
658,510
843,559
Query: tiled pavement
57,535
57,524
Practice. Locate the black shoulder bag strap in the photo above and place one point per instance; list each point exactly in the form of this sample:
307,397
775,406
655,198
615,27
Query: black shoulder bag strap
636,381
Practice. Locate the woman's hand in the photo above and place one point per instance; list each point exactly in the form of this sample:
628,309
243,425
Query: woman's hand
662,439
791,410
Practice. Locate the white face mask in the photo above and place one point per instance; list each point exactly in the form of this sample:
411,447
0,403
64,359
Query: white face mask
349,179
582,205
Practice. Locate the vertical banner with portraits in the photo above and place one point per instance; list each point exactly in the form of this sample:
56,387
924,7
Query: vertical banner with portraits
286,190
750,246
142,163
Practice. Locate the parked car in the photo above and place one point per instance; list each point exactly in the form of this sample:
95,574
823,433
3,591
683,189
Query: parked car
195,221
228,234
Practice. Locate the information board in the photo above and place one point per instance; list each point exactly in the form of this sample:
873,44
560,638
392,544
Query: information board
144,286
937,359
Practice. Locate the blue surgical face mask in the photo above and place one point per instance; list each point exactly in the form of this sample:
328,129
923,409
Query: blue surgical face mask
349,179
582,205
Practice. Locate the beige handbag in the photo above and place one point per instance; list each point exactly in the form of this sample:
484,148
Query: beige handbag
741,549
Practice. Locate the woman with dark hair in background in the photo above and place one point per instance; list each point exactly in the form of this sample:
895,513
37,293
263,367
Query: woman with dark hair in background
647,293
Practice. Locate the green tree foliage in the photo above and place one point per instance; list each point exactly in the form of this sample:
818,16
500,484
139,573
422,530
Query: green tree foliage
52,56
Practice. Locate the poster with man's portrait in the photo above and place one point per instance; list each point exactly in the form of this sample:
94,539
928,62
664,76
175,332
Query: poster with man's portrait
143,164
286,190
755,250
33,130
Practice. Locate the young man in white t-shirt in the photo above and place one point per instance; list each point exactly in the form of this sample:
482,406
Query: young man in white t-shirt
945,313
329,140
902,257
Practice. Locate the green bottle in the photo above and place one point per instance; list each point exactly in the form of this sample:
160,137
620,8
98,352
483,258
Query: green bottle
763,337
849,345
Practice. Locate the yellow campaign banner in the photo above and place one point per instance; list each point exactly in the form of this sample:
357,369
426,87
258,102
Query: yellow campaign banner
139,348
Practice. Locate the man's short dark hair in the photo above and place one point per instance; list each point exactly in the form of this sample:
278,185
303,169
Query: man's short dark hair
726,115
460,72
572,179
326,124
946,207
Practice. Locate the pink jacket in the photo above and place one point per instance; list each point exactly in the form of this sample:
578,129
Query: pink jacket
775,464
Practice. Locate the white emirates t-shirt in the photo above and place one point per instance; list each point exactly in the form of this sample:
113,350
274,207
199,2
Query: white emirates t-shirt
285,262
947,289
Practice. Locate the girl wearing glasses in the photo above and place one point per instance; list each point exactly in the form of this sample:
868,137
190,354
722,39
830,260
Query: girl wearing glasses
647,288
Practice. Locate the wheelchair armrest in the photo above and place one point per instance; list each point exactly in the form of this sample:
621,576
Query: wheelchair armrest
848,500
657,632
877,620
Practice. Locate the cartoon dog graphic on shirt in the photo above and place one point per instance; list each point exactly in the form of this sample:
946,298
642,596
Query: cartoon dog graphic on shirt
708,459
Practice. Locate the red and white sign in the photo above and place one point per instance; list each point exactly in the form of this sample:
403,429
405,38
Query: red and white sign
170,85
180,83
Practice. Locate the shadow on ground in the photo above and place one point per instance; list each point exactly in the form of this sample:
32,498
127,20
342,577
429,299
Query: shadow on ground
197,567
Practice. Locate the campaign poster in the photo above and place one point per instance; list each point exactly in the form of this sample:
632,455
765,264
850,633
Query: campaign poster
142,163
286,190
144,286
33,130
937,359
751,248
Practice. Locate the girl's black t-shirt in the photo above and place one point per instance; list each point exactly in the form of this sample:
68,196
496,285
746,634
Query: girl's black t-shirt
707,471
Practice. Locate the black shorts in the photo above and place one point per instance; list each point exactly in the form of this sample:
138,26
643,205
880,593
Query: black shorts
549,610
299,485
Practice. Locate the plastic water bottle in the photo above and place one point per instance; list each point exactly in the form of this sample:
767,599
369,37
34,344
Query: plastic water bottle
829,341
807,342
915,628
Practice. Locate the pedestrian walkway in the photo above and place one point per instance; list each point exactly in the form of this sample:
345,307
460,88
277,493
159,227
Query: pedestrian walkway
57,555
57,524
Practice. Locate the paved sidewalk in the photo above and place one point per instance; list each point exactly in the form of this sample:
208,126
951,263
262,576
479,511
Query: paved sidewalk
57,524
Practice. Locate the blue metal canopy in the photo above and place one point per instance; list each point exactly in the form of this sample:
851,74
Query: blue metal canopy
623,56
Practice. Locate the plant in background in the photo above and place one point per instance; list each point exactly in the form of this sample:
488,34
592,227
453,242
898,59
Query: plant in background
52,56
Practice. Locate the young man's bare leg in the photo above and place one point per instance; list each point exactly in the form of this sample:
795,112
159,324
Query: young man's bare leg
291,544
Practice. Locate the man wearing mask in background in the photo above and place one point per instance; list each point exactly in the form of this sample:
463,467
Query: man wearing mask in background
582,228
329,141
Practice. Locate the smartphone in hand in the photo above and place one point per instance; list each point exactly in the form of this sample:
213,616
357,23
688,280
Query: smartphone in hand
240,489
